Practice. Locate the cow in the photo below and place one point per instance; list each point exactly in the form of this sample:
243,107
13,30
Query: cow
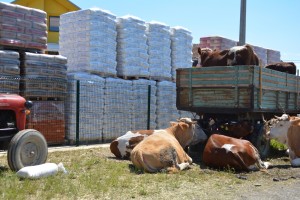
286,130
222,152
287,67
211,57
242,55
164,149
122,146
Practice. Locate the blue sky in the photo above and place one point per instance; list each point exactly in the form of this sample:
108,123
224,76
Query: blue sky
272,24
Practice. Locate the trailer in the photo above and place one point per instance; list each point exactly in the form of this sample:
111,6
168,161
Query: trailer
233,94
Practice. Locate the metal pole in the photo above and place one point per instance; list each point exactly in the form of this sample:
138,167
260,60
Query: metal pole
149,107
242,39
77,111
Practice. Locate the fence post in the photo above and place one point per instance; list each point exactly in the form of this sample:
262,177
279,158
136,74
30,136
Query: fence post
149,107
77,110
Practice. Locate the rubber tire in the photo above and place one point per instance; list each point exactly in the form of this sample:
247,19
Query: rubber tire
28,147
260,142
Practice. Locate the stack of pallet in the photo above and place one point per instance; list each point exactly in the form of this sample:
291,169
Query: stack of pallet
159,50
181,49
23,27
216,42
31,73
132,49
9,71
88,39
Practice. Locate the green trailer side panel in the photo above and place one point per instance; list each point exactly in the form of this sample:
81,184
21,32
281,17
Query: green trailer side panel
239,88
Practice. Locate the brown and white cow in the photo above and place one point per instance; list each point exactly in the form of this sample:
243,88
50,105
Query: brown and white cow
211,57
287,67
164,149
222,151
286,130
242,55
123,145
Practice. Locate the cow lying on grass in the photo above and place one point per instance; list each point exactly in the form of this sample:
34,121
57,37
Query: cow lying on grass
123,145
286,130
164,149
226,152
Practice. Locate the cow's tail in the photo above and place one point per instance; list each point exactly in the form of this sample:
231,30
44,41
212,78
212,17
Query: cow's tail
260,164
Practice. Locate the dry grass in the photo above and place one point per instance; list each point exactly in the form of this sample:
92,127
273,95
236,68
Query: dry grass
96,174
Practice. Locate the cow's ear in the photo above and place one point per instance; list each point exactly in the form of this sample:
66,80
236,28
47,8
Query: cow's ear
173,123
199,51
184,126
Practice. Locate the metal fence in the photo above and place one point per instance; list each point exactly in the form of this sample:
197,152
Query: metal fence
94,109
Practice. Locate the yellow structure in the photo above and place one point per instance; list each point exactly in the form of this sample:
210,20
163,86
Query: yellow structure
53,8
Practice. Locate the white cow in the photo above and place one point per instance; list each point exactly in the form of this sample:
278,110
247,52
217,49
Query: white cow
286,130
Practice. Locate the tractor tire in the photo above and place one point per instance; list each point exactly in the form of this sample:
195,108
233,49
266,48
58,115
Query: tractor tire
27,148
259,140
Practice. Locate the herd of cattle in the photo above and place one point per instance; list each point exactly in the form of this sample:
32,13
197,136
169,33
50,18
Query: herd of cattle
164,150
239,55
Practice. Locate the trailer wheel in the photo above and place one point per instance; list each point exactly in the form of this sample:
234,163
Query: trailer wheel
259,140
28,147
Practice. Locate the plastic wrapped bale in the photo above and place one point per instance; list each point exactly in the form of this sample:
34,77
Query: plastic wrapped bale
159,50
181,48
166,109
140,104
93,31
118,108
91,105
132,48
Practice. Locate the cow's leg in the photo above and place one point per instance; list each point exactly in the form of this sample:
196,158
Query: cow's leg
184,165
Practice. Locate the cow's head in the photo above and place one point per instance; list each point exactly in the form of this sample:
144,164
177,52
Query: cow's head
279,127
242,55
237,55
190,132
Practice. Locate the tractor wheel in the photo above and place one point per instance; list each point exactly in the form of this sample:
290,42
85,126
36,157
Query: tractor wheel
28,147
260,141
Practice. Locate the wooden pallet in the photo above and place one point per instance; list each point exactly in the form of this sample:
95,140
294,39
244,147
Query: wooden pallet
41,98
21,49
133,77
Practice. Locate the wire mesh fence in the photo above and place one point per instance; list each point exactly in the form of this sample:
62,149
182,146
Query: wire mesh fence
89,109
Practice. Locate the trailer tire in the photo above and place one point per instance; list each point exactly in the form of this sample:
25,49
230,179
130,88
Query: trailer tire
259,140
28,147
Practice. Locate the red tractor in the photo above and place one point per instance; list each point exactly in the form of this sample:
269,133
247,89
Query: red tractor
25,147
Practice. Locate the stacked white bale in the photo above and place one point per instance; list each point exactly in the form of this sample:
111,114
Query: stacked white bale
181,49
91,107
88,39
23,27
140,104
132,48
273,56
118,108
216,42
159,50
188,114
43,75
166,109
262,54
9,72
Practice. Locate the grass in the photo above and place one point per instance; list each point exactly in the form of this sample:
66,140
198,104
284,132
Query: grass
96,174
